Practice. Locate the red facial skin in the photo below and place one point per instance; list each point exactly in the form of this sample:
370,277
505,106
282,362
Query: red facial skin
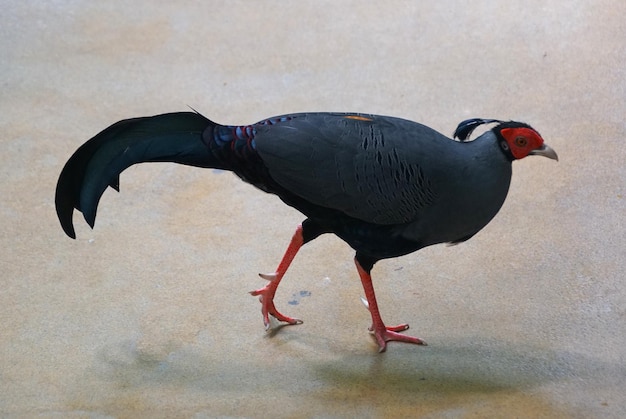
521,141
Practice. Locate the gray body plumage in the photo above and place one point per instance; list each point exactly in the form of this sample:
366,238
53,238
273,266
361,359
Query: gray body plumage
387,171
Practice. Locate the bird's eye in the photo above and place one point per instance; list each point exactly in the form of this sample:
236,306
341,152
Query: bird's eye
521,141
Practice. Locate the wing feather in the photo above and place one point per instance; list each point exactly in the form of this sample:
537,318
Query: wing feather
369,167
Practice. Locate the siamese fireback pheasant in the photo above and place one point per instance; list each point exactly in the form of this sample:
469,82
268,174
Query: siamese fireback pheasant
386,186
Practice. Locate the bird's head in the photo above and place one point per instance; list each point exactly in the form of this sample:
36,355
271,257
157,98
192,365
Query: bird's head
517,139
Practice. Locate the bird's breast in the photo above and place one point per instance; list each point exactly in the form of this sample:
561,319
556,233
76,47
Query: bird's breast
467,199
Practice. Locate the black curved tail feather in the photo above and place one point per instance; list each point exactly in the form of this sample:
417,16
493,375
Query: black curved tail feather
172,137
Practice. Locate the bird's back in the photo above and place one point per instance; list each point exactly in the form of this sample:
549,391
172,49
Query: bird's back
367,166
386,171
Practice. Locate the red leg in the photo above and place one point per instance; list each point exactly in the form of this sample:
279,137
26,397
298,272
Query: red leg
382,333
266,294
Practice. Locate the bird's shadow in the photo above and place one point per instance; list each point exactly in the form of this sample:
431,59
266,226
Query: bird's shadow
474,378
403,376
453,367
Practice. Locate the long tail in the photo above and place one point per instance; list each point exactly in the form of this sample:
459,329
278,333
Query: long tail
172,137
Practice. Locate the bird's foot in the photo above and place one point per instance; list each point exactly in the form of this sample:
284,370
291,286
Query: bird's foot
266,297
386,334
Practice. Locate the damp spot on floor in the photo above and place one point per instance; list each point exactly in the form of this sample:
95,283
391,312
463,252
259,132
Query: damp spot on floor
295,297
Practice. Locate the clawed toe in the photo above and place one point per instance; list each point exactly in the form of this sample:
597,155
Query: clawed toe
388,335
270,277
268,310
398,328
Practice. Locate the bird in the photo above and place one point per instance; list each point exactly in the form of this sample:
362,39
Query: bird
384,185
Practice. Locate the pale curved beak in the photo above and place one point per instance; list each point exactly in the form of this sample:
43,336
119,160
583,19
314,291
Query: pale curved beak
545,151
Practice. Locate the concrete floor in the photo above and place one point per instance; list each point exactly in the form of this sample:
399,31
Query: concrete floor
148,315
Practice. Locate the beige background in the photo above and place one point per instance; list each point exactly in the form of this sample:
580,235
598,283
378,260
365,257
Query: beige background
149,316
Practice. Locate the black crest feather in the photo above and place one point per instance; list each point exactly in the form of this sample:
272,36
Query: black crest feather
465,128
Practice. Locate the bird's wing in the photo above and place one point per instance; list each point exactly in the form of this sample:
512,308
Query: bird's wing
369,167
